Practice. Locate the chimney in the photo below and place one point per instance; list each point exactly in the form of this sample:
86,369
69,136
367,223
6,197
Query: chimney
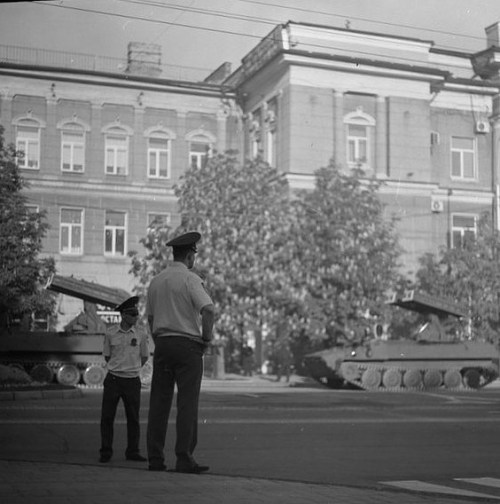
144,59
493,35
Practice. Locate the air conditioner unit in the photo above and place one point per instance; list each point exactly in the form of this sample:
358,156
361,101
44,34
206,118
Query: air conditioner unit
437,206
482,126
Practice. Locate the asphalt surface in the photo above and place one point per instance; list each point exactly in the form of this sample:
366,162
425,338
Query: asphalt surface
48,482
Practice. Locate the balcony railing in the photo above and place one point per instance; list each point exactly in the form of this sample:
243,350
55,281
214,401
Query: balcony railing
91,63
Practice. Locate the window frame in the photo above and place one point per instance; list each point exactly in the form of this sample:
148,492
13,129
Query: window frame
270,121
200,137
72,145
167,220
157,154
461,229
23,161
113,229
121,131
461,152
71,226
360,119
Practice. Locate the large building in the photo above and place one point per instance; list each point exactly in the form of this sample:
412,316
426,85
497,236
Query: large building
105,143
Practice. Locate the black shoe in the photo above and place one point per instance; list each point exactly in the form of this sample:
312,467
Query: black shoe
158,468
136,457
104,458
194,469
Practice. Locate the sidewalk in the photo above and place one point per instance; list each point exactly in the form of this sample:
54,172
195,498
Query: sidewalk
48,483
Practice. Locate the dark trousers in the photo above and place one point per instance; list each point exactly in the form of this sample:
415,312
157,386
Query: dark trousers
177,361
129,391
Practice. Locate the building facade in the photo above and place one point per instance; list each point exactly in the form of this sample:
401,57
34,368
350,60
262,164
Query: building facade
421,120
104,148
102,153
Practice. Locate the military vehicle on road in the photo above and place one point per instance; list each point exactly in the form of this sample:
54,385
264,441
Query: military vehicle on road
433,357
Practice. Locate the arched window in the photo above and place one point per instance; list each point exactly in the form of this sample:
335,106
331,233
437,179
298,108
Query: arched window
116,148
200,147
159,152
73,145
359,135
28,134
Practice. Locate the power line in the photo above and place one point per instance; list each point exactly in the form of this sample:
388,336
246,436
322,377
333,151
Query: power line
274,22
398,25
218,30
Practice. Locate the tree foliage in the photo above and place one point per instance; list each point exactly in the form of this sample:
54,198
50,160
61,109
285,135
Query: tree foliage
470,276
308,264
345,252
241,210
22,271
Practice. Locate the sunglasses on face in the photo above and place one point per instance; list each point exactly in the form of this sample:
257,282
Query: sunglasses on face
132,313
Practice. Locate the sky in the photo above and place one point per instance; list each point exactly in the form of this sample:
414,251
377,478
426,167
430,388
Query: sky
203,34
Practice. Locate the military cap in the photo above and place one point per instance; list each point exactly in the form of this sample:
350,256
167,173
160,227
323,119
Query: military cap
186,240
128,304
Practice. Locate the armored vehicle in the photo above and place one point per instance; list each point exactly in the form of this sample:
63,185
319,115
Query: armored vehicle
73,356
434,356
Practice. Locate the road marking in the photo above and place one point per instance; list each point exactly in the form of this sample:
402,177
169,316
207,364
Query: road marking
492,482
422,486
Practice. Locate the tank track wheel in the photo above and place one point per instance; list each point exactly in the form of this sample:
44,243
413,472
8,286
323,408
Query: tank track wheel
94,376
432,378
412,379
472,378
68,374
42,373
452,379
392,378
350,371
371,378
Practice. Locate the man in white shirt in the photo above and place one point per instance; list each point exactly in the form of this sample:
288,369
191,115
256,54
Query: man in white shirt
125,351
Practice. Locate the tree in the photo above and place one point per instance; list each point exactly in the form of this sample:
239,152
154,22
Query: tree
300,267
345,252
242,211
22,271
470,276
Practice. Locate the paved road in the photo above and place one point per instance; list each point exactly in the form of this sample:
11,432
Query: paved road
378,442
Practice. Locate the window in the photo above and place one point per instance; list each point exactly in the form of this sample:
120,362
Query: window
357,141
200,147
359,135
463,164
114,233
158,220
71,231
198,154
159,157
73,151
28,143
255,130
116,145
463,230
270,122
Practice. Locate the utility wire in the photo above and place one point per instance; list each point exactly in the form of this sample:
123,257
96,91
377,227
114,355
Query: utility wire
217,30
347,16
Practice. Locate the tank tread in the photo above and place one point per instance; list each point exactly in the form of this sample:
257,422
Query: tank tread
55,366
379,377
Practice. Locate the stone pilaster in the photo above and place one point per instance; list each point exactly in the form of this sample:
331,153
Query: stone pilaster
380,168
339,147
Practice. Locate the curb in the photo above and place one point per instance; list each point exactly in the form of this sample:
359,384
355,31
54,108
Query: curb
19,395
